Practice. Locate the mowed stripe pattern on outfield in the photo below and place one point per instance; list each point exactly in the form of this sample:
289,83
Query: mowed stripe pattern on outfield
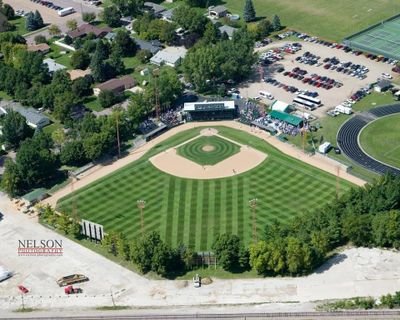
194,212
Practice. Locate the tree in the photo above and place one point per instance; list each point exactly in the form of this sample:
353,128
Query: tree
54,30
97,64
357,228
124,44
93,146
276,23
58,136
40,39
168,85
80,59
88,17
11,179
8,11
129,7
107,98
211,33
72,24
68,40
115,65
15,129
112,16
30,23
144,55
71,153
227,249
199,3
249,13
38,20
81,87
63,104
264,28
386,229
190,19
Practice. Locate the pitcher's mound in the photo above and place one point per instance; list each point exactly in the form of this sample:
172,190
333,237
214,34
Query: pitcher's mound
208,148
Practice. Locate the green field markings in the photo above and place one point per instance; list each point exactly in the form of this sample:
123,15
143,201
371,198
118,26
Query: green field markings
194,212
219,149
381,140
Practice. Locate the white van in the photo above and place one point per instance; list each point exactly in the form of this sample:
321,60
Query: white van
266,94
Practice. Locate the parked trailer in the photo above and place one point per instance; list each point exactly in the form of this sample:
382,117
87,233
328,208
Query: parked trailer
342,109
65,11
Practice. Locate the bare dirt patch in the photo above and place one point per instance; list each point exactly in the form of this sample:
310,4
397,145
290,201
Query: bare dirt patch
208,148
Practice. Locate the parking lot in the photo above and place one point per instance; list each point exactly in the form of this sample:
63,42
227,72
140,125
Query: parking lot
50,16
335,86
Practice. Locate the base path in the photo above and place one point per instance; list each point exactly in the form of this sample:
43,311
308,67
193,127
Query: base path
318,160
170,162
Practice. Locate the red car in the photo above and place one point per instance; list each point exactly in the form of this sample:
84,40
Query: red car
23,289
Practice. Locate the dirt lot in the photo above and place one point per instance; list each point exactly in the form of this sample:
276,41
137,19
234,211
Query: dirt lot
354,272
329,98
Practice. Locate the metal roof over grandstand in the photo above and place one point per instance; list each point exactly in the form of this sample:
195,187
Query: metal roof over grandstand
209,106
293,120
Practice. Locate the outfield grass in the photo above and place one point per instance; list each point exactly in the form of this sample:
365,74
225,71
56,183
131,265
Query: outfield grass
208,150
381,140
328,19
195,211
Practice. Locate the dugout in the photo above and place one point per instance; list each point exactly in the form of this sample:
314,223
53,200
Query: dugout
286,117
213,110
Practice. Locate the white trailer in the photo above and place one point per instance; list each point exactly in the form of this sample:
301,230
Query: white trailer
342,109
325,147
65,11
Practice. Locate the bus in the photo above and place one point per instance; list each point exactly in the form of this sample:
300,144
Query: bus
65,11
309,99
304,103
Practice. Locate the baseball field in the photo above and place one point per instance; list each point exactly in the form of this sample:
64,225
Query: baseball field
194,211
381,140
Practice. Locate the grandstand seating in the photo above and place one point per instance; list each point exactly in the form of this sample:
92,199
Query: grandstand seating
347,139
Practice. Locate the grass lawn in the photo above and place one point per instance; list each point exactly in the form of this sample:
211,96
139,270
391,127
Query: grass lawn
381,140
208,150
19,23
5,96
61,58
373,100
328,19
196,211
92,103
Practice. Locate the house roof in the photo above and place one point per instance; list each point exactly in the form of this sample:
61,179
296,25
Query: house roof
126,82
41,47
53,66
384,83
167,15
169,55
228,30
153,46
156,8
286,117
35,195
219,9
31,115
87,28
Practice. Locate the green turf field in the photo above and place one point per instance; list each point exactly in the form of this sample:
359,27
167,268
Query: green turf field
208,150
195,211
328,19
381,140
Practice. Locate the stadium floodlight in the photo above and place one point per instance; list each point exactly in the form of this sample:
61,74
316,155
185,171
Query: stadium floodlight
141,204
253,206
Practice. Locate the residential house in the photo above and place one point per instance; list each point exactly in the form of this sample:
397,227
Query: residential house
153,46
383,85
53,66
41,48
117,85
217,11
171,56
34,118
167,15
228,30
154,8
3,22
84,29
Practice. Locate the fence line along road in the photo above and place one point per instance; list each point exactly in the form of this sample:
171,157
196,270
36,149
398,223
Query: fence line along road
378,314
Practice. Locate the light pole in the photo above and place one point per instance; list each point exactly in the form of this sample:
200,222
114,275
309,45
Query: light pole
253,206
141,204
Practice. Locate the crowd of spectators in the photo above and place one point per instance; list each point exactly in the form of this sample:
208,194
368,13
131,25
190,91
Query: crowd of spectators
250,111
147,126
172,117
278,125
